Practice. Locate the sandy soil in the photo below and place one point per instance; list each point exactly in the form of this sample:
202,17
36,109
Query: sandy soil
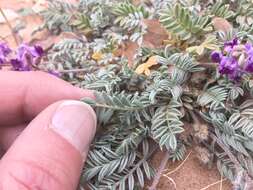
191,175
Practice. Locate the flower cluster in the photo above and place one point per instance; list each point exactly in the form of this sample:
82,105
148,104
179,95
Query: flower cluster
4,52
235,60
23,59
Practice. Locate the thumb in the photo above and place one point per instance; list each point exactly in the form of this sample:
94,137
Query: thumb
49,153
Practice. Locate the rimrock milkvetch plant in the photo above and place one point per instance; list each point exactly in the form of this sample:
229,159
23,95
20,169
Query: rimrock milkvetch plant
192,90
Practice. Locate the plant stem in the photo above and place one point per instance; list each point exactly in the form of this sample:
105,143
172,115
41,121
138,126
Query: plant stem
119,108
240,172
74,70
160,171
177,168
194,118
9,25
217,182
225,148
221,180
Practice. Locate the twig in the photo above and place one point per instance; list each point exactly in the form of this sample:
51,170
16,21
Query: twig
160,171
170,179
221,178
225,148
212,184
177,168
238,180
74,70
9,25
241,173
248,179
248,183
194,117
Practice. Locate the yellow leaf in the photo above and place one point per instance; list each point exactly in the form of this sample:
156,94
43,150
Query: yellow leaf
196,49
200,50
212,47
152,61
147,72
192,49
140,69
97,56
209,43
144,68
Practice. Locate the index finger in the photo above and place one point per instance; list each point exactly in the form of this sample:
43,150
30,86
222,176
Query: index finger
25,94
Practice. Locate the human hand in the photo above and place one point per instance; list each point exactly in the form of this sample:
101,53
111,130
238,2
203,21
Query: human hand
54,134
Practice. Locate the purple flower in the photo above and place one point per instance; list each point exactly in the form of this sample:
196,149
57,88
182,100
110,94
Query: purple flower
249,62
228,65
216,56
232,43
237,60
4,48
39,50
20,65
35,51
249,65
236,76
228,46
16,64
4,51
248,47
27,56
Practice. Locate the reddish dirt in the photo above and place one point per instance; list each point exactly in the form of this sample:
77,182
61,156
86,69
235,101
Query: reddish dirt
191,176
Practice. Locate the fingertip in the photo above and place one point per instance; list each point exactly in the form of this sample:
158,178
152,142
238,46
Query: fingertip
75,121
26,94
76,91
54,145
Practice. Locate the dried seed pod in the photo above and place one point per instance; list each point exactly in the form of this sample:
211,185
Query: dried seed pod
201,132
203,155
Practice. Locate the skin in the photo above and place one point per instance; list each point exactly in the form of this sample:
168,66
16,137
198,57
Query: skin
38,158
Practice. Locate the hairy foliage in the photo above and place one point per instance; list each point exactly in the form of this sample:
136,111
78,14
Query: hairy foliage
130,18
139,114
219,9
182,22
58,16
